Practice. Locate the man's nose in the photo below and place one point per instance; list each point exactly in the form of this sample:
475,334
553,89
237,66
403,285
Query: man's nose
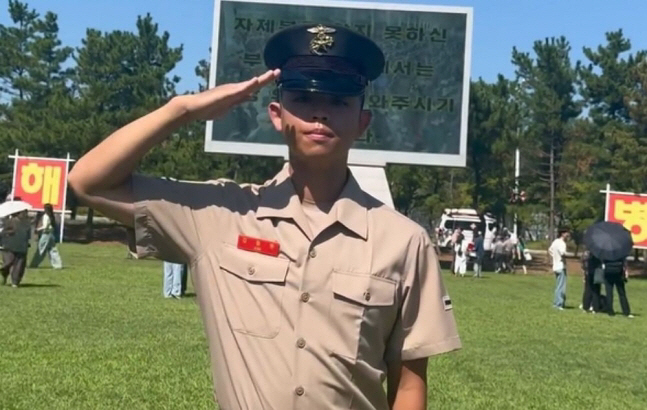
319,113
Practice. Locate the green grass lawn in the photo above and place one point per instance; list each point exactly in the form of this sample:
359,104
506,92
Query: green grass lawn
99,335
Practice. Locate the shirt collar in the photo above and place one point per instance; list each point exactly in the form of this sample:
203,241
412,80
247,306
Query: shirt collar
278,199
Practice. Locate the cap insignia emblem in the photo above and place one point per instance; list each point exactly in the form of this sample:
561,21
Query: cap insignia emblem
322,41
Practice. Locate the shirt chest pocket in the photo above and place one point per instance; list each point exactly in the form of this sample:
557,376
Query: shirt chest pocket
362,311
252,291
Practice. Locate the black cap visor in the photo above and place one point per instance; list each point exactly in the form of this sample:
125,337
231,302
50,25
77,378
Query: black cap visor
322,81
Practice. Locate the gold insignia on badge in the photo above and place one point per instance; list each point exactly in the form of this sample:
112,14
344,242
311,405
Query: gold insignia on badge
322,41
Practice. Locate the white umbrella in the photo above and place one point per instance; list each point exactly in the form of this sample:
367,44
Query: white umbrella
13,207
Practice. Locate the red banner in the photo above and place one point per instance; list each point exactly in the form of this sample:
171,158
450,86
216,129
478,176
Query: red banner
39,181
631,211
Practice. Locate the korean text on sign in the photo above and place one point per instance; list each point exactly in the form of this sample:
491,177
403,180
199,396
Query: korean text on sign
41,181
631,212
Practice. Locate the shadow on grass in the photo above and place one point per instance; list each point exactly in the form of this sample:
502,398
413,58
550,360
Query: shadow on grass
39,285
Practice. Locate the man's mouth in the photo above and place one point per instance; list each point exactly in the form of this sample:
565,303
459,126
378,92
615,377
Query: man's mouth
320,134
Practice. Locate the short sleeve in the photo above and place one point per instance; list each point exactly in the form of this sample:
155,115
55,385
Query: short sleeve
168,215
427,325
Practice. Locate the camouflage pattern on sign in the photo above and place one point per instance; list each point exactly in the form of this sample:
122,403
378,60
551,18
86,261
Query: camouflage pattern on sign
416,103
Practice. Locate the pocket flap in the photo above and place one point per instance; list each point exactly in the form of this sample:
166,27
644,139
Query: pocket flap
252,266
364,289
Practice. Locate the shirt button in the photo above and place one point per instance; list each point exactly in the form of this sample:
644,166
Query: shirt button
299,391
305,296
251,270
313,253
301,343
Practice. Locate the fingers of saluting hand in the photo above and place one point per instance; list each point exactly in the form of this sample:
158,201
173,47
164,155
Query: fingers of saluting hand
246,88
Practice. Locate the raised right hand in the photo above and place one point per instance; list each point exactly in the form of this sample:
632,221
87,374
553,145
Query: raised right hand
217,101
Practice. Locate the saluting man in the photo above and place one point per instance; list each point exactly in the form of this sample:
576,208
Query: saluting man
312,292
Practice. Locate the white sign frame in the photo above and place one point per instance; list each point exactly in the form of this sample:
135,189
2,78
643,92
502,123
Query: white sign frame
356,156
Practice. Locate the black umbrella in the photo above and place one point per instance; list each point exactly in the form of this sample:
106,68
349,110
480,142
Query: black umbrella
608,241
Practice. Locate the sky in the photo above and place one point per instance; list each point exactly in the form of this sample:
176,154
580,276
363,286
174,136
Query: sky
498,25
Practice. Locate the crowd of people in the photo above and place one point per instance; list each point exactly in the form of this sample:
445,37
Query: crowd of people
16,231
507,254
596,272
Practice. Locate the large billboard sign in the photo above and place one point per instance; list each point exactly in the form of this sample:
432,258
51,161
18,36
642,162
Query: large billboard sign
419,103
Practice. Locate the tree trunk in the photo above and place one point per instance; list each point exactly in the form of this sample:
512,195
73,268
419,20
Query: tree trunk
551,223
89,231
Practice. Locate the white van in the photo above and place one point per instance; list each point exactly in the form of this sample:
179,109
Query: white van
467,220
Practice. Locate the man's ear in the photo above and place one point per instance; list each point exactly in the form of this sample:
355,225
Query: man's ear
274,110
365,117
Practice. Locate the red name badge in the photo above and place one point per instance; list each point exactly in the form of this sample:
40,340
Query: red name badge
263,246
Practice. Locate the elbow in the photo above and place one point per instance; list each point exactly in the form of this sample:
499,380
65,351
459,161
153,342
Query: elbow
76,184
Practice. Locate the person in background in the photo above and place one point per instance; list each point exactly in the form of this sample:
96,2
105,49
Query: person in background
591,296
174,279
47,230
508,254
479,251
15,242
616,274
521,250
497,254
460,252
455,237
557,251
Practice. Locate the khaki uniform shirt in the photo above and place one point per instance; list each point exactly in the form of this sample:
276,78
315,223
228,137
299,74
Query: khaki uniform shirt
315,326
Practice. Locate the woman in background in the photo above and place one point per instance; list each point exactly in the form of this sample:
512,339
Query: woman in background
46,230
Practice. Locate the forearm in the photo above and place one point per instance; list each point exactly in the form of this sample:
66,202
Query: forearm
407,385
111,163
411,399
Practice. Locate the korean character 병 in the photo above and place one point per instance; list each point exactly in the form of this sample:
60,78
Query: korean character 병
400,102
392,33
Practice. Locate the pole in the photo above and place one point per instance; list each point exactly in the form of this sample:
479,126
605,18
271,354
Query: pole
13,177
67,169
516,187
606,202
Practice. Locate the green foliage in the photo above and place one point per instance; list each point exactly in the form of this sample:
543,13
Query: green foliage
55,100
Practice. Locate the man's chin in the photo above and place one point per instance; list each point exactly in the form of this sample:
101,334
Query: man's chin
318,156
